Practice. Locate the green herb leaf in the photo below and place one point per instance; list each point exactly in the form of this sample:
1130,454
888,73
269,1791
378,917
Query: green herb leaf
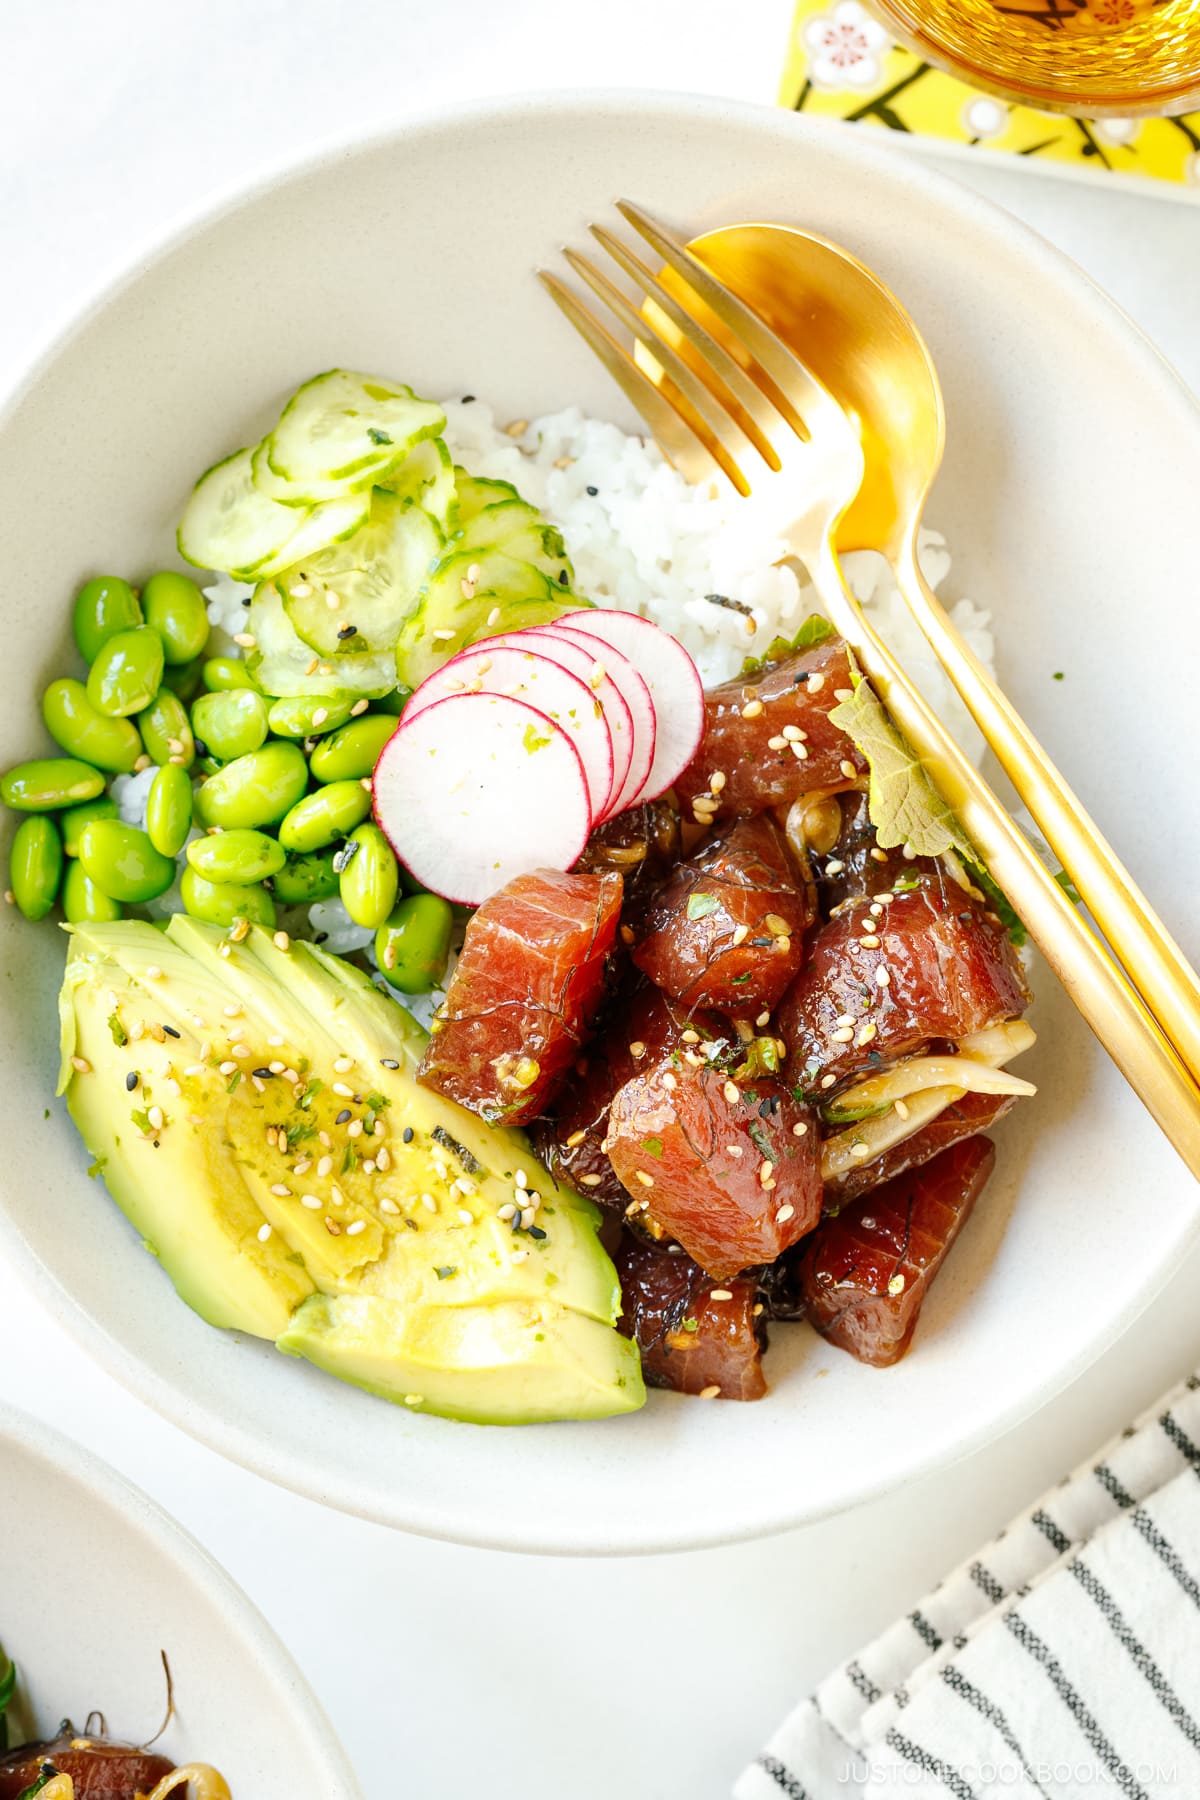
692,1325
737,980
349,1159
653,1146
378,437
699,906
377,1102
999,903
231,1084
761,1141
97,1167
532,740
761,1058
446,1271
120,1036
141,1119
815,629
904,805
1068,887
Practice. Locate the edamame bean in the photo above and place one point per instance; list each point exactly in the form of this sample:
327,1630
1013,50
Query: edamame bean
393,703
174,607
307,715
412,947
94,737
83,901
127,672
48,783
221,673
167,731
370,878
304,879
230,723
242,857
123,862
255,790
351,753
72,821
35,865
185,679
102,608
221,902
169,809
320,818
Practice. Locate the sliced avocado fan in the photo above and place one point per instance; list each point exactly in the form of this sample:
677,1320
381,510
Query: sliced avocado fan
255,1114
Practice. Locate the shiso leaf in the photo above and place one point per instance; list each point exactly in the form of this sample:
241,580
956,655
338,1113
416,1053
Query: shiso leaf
904,805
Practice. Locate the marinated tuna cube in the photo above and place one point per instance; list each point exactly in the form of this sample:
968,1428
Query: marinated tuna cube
733,1173
525,995
695,1336
856,864
768,738
645,1026
972,1114
96,1767
886,976
642,845
866,1270
727,929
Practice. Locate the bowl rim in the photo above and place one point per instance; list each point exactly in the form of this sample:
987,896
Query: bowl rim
204,1421
99,1483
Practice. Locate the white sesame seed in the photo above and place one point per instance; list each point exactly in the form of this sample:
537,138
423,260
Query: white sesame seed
354,1128
311,1201
717,780
669,1081
690,1036
281,940
843,1035
356,1227
752,709
518,1256
766,1170
869,941
901,1109
896,1284
154,973
325,1167
709,1393
336,1195
800,752
155,1116
859,1151
246,639
388,1206
507,1212
242,1050
275,1042
799,1129
429,1203
835,866
816,682
845,1019
340,1088
827,1081
882,978
741,933
777,743
281,1191
849,771
383,1158
784,1214
264,1233
637,1049
866,1034
721,1294
466,1217
591,1181
343,1063
414,1399
646,1180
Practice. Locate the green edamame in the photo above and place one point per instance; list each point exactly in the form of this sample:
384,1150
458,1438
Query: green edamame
166,730
352,752
308,715
221,902
329,813
169,809
370,879
393,703
35,865
127,672
221,673
413,945
185,679
242,857
123,862
254,790
94,737
304,879
72,821
230,723
174,607
84,902
48,783
102,608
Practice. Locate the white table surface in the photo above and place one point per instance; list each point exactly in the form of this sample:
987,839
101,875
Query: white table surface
655,1678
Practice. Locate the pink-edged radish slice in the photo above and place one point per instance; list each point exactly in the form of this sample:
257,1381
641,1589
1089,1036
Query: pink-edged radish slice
528,675
477,788
674,682
569,652
637,697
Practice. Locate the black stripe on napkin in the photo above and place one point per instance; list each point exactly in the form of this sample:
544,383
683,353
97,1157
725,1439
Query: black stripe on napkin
863,1684
1179,1437
930,1765
782,1776
1055,1674
986,1583
925,1631
1050,1531
1142,1661
966,1690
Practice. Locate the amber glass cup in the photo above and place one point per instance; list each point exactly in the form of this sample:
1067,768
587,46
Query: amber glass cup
1090,57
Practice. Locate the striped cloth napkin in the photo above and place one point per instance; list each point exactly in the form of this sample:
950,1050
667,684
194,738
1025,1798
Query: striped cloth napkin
1062,1662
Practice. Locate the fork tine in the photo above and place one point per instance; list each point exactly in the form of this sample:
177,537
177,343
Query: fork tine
750,406
793,387
709,407
688,451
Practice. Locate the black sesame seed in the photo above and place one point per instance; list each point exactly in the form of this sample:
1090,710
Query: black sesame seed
348,631
468,399
801,679
407,1134
319,937
201,748
342,1116
170,1031
563,578
593,491
246,602
535,1231
131,1081
264,1074
389,1062
345,856
738,606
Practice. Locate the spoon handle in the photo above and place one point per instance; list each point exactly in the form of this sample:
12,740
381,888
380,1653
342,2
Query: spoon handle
1095,982
1155,963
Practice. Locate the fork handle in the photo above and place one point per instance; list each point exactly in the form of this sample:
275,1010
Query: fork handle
1155,963
1097,985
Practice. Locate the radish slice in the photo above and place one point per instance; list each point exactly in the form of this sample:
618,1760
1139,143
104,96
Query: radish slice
569,653
477,788
553,689
637,697
673,680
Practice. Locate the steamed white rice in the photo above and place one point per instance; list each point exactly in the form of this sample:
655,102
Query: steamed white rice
641,539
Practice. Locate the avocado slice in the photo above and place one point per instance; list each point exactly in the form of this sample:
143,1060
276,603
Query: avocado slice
519,1363
276,1149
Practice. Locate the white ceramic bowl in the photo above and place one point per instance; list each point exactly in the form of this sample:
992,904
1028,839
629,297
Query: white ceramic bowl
1069,495
95,1581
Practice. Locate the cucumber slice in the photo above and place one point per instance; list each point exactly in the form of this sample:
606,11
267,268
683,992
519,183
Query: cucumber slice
321,528
337,423
426,479
283,665
477,491
227,524
506,595
350,600
316,493
520,531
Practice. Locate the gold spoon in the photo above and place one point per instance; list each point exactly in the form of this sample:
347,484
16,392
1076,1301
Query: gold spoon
862,345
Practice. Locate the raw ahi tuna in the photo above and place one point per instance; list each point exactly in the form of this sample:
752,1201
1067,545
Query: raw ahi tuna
857,864
695,1335
972,1114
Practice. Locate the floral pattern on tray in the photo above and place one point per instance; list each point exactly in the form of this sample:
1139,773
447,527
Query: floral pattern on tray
842,64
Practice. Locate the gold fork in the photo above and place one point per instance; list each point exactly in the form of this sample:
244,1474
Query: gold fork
760,419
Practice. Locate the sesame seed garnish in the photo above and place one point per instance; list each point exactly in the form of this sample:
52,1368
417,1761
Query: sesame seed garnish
506,1212
346,1093
800,751
354,1128
516,428
281,940
816,682
717,780
849,770
766,1170
882,978
690,1036
777,743
752,709
359,1225
637,1049
733,1149
332,1227
869,941
493,617
896,1284
154,973
866,1034
383,1159
741,933
800,1129
429,1203
281,1191
784,1214
827,1081
721,1294
709,1393
842,1035
669,1081
388,1206
591,1181
466,1217
692,1060
264,1233
901,1109
343,1063
646,1180
81,1065
302,1166
834,866
576,1137
860,1150
311,1201
518,1256
238,930
336,1195
155,1116
731,1092
443,634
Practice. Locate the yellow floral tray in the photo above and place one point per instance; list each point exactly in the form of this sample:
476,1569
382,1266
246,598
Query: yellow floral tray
842,64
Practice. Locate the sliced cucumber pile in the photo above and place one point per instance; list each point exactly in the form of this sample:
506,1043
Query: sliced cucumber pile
474,594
